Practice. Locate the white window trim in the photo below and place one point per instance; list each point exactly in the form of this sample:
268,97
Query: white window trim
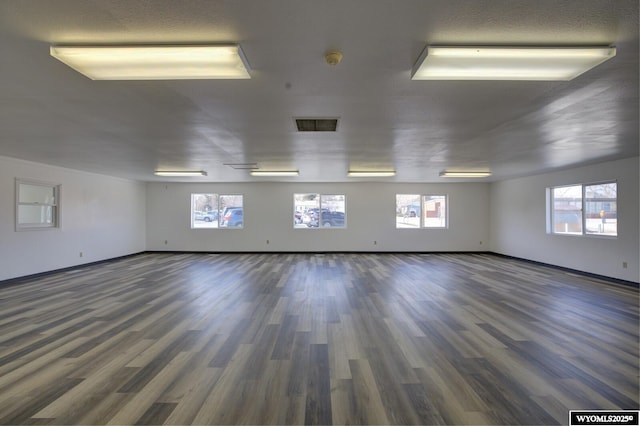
56,206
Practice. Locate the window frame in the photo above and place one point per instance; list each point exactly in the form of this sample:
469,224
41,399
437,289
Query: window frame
551,216
422,216
55,205
220,212
585,229
218,197
320,209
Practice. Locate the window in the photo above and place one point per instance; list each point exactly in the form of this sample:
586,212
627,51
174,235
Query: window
37,205
217,211
319,210
421,211
435,211
584,209
567,209
601,209
231,211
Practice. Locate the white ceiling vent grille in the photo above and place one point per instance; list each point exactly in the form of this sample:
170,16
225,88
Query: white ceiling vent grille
316,124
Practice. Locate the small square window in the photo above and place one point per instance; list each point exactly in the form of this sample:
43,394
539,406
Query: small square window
37,205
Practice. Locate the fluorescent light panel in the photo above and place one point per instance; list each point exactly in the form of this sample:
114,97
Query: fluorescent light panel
364,173
507,63
180,173
155,62
465,174
275,173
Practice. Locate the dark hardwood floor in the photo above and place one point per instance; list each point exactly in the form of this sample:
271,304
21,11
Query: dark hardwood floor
315,339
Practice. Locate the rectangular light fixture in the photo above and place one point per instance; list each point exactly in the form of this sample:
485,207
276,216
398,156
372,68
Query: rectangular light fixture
507,63
180,173
465,174
155,62
275,173
365,173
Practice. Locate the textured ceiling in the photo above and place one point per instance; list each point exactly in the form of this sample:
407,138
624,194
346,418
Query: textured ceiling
51,114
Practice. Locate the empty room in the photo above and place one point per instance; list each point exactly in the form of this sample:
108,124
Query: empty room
418,212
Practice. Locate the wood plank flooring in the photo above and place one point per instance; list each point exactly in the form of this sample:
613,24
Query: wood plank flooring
315,339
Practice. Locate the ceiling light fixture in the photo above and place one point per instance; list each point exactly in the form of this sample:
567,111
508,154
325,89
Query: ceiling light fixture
275,173
364,173
180,173
155,62
507,63
465,174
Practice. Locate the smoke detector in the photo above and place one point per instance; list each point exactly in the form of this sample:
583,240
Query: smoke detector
333,57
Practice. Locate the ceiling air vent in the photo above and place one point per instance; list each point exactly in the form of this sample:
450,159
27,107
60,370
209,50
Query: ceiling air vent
317,124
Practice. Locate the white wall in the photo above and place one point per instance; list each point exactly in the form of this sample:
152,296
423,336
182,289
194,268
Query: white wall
518,221
269,216
102,217
106,217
